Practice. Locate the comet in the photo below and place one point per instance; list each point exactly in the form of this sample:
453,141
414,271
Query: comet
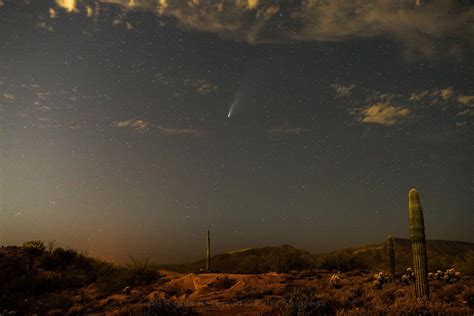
238,97
231,110
246,92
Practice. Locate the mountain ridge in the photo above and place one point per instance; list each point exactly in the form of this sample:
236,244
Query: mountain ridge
443,254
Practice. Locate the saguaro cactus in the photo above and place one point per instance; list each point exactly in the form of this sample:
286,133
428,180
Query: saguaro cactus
418,244
391,257
208,252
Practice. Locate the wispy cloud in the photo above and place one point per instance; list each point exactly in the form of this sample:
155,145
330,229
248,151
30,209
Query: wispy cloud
466,99
137,124
342,90
201,86
8,96
445,94
425,27
287,130
143,126
383,114
167,131
428,28
388,109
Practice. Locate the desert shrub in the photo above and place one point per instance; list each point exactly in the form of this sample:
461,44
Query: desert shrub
301,302
286,262
141,271
355,272
342,262
59,259
253,264
309,273
52,301
388,296
111,279
448,293
357,297
34,247
11,267
468,296
469,266
222,283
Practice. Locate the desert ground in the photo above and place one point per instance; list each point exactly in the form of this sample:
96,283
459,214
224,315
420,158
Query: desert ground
41,281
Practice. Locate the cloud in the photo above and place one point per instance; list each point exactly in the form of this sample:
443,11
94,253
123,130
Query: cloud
201,86
142,125
466,112
446,93
428,28
395,108
418,96
180,131
466,99
288,131
424,26
68,5
343,91
136,124
8,96
52,13
383,114
440,96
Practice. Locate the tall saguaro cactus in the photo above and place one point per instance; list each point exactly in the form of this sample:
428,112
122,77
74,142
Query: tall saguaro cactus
208,252
391,256
418,244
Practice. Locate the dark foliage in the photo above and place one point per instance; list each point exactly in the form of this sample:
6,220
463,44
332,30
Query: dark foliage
342,262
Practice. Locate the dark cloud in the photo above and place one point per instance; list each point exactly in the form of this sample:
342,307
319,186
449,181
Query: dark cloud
427,28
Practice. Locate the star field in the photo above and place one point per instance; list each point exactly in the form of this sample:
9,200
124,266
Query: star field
115,135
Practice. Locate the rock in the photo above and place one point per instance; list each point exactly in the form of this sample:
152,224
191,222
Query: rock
157,295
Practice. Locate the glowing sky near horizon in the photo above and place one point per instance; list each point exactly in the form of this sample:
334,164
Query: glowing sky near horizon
132,127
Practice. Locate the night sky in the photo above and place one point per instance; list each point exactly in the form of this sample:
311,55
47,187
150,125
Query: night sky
116,140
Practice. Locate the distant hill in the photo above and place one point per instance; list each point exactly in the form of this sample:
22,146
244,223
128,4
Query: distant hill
252,260
442,254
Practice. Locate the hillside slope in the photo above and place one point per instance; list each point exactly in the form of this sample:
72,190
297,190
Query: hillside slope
442,254
252,260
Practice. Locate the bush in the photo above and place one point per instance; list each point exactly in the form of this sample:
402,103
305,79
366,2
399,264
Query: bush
111,279
342,262
141,271
302,302
284,263
59,259
468,296
34,247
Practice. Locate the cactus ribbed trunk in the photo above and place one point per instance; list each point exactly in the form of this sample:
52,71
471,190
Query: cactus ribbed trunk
391,257
208,252
418,244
